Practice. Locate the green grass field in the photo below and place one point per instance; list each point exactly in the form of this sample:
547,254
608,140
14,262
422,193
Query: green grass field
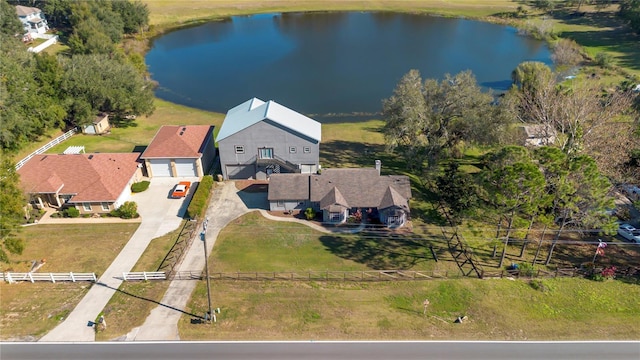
498,309
28,311
568,309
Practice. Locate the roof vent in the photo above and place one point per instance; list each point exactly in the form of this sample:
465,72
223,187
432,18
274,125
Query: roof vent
181,132
184,129
90,157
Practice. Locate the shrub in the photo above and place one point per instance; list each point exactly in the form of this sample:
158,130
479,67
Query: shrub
309,213
71,212
128,210
200,198
526,269
604,60
609,272
140,186
539,285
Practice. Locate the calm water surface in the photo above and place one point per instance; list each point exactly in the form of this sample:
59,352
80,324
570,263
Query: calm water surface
333,66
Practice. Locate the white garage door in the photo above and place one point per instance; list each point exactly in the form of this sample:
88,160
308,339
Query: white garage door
240,171
161,168
186,167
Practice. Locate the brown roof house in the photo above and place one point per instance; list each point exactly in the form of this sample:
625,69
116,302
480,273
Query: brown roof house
92,183
98,126
341,193
180,151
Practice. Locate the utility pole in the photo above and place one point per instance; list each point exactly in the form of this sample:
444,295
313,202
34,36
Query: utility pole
210,315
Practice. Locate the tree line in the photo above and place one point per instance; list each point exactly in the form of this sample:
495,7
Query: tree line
42,92
592,138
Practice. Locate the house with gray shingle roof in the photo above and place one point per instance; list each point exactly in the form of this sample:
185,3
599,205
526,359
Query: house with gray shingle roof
258,139
341,193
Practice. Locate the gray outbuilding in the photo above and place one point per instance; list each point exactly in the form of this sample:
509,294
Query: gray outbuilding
260,138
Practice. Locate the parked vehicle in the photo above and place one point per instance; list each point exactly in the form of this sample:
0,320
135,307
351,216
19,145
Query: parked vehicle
181,189
629,232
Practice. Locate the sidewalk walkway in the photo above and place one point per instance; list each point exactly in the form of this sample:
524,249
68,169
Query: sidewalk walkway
160,215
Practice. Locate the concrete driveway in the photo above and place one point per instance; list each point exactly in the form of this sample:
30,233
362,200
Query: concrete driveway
162,323
160,215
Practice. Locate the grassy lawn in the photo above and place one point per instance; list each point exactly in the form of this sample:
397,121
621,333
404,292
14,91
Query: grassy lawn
28,311
138,136
567,309
285,246
167,13
498,309
133,302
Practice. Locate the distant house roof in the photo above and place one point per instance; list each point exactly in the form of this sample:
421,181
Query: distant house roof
26,10
345,188
88,177
538,131
538,134
100,117
255,110
178,142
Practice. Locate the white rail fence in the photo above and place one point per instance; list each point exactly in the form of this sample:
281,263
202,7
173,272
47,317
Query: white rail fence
52,40
48,146
13,277
144,275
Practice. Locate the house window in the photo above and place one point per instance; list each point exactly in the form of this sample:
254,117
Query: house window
393,220
306,150
86,206
334,216
280,203
292,149
239,149
266,153
105,206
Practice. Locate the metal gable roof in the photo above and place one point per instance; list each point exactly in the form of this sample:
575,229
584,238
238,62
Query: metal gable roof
256,110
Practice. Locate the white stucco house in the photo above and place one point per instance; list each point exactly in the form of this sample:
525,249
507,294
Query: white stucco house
33,20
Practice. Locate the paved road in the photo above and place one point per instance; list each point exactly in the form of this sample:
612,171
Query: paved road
160,215
162,323
324,350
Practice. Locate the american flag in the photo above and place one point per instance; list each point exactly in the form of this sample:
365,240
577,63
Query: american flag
602,244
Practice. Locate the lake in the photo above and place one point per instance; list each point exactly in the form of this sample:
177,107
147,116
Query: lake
331,66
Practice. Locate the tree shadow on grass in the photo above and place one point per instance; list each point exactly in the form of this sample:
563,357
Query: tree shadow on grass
150,300
382,253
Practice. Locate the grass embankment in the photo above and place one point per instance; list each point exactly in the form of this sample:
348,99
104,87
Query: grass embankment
28,311
172,13
569,309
